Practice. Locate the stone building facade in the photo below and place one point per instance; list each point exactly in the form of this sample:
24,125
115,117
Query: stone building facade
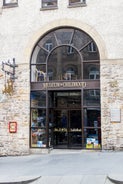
23,25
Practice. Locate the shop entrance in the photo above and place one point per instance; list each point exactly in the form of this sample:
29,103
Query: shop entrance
66,116
67,132
65,91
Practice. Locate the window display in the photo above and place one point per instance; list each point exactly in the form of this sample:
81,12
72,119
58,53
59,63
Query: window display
65,89
92,138
38,128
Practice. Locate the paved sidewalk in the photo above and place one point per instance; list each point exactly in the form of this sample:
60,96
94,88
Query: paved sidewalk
63,167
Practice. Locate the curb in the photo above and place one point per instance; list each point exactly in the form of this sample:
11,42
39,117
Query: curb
22,181
116,181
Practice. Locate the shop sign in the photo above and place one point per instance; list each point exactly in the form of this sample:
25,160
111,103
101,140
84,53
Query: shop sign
64,85
12,127
115,115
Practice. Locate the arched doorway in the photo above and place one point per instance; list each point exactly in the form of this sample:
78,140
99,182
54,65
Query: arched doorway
65,91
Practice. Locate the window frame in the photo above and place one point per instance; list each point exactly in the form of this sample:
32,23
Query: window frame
50,6
5,4
79,3
93,85
92,47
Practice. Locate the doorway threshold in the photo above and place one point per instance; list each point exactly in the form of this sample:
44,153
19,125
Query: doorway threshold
65,151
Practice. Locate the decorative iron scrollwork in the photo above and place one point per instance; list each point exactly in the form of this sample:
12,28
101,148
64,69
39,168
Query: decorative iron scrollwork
9,69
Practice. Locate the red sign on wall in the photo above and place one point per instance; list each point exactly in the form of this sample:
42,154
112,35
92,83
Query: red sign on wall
12,127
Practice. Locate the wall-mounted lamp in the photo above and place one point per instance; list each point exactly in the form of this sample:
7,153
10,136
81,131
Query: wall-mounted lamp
9,69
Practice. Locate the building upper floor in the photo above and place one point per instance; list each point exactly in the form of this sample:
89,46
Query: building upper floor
22,19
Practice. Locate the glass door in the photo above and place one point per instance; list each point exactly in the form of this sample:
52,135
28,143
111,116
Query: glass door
60,131
67,132
75,129
65,115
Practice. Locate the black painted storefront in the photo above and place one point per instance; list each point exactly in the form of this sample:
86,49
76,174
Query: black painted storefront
65,91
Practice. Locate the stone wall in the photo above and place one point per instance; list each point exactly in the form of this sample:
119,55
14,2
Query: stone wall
16,107
111,98
22,27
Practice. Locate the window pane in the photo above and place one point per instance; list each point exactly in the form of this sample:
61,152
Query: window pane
10,2
76,1
92,47
49,3
91,97
38,118
92,138
64,64
41,57
38,128
38,137
48,42
38,99
38,73
87,55
91,71
64,36
91,117
80,39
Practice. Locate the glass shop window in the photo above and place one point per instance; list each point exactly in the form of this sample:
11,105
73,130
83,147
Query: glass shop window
91,97
74,2
91,71
38,99
10,2
38,127
92,138
49,3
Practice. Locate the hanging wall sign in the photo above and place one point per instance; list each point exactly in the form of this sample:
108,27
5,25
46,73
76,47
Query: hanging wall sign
12,127
115,115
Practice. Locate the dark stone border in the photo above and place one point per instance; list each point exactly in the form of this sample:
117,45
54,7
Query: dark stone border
21,182
114,180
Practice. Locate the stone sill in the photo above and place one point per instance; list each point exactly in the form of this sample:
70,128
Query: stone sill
10,6
49,8
77,5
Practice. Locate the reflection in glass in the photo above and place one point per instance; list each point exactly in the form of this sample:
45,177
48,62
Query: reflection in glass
75,134
91,117
38,137
10,2
48,42
49,3
92,138
71,99
80,39
76,1
89,56
91,71
63,66
38,99
38,73
64,36
66,56
38,128
92,47
91,97
41,57
38,118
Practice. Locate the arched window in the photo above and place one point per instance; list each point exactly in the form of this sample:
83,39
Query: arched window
59,50
65,77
